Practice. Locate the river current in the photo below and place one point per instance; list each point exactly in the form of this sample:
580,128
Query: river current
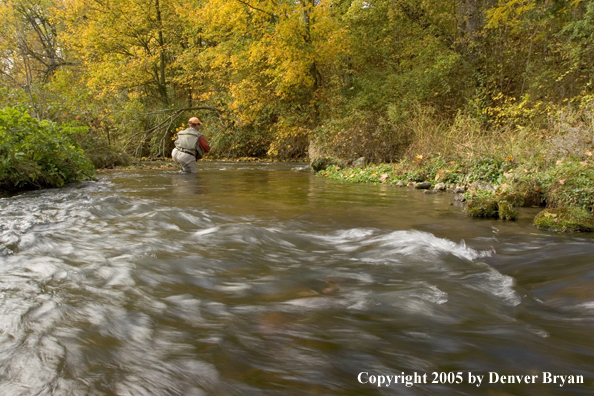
263,279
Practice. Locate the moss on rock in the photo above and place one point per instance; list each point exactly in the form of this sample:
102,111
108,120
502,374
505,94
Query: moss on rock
323,163
567,219
506,211
482,207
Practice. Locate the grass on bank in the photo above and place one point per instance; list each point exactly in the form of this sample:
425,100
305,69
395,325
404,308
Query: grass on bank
494,187
500,170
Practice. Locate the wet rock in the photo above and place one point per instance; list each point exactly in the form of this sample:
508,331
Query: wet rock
459,198
459,190
431,192
401,183
422,186
440,187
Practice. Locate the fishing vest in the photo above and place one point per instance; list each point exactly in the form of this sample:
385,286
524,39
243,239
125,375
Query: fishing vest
187,140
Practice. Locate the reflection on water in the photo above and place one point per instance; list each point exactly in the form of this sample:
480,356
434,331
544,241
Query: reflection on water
261,279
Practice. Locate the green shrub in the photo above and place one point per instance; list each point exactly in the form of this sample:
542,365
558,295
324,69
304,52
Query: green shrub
37,154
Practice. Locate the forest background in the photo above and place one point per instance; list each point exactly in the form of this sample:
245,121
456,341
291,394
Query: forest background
291,79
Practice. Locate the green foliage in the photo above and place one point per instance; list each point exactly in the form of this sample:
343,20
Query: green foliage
486,170
472,195
370,174
36,154
571,183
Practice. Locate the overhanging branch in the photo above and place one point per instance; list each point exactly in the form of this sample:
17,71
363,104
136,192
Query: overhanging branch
166,123
274,17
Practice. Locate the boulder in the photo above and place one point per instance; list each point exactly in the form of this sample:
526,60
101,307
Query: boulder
360,162
440,187
423,186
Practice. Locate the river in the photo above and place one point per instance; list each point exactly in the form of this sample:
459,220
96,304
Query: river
263,279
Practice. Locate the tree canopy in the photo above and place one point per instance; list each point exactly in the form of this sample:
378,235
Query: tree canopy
292,78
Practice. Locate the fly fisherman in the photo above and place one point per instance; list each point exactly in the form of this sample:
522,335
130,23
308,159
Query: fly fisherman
190,146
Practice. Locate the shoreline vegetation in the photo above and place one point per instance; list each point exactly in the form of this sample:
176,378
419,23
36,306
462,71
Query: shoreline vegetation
493,175
489,188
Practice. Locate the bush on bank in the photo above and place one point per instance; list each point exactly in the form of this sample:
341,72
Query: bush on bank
38,154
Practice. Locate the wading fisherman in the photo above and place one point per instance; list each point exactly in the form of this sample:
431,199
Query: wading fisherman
190,146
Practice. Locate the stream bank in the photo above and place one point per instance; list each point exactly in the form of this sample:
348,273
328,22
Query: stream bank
489,187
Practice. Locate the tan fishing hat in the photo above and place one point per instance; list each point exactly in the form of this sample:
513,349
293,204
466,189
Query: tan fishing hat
195,121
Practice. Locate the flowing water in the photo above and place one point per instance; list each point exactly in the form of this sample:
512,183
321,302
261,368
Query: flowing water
262,279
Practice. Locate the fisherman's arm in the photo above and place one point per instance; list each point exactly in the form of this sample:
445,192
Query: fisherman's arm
204,144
